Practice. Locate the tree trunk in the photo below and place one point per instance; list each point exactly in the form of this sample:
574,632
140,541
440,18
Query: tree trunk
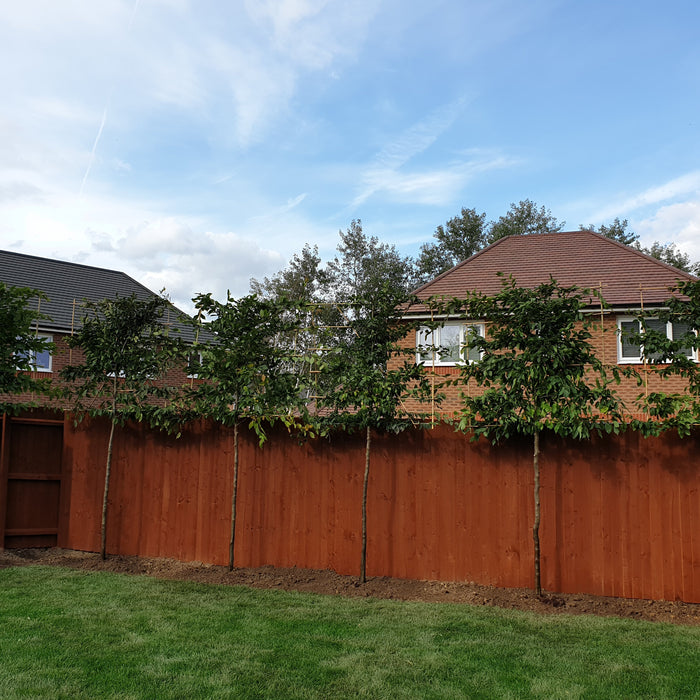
108,473
363,561
234,497
536,526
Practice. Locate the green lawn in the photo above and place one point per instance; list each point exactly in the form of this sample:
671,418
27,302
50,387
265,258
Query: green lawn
70,634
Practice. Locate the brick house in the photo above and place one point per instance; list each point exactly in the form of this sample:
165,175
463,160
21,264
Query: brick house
66,285
630,281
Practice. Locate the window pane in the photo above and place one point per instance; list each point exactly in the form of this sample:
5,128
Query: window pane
654,324
450,342
630,350
678,331
38,361
194,363
425,340
42,360
473,353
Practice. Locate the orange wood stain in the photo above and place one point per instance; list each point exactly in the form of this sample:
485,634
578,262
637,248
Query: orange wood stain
620,514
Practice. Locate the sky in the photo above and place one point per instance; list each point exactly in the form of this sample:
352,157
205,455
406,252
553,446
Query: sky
196,144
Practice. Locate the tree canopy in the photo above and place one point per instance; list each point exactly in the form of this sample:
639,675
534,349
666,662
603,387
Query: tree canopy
304,279
364,263
672,354
19,345
617,231
457,240
666,252
126,350
370,376
245,366
523,219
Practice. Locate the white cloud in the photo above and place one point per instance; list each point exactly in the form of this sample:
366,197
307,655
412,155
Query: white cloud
83,87
183,254
313,33
276,213
387,175
259,87
675,223
237,62
161,253
667,213
683,185
187,263
383,173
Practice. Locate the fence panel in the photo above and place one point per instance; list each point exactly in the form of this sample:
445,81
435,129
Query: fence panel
620,514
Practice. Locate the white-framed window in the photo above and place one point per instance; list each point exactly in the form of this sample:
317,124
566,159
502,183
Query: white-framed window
41,361
448,344
631,352
194,362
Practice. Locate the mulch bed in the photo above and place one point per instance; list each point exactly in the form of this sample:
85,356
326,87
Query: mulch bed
330,583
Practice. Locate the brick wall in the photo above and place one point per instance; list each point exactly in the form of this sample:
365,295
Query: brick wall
603,340
64,356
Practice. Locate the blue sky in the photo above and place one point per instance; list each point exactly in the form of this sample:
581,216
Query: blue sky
195,145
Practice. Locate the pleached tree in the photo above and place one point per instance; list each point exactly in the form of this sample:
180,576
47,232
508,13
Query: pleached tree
537,372
126,351
247,373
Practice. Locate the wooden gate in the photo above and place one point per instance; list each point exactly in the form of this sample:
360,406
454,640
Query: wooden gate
30,482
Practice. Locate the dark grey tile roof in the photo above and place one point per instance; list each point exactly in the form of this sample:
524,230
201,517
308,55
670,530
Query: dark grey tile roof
67,284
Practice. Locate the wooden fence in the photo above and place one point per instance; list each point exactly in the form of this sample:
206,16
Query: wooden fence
620,515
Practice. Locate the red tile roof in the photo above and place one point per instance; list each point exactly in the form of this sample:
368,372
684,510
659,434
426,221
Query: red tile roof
581,258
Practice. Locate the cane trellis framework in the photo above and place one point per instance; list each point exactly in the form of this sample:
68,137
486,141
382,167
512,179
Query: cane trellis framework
323,322
600,331
312,341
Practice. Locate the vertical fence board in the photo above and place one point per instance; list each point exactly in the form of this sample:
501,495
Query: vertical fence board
620,515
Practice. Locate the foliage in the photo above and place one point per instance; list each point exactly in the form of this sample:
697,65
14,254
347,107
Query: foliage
303,279
247,371
666,252
538,367
19,344
365,265
617,231
670,357
322,293
670,254
318,322
127,349
459,239
362,265
370,375
246,368
370,371
466,234
524,218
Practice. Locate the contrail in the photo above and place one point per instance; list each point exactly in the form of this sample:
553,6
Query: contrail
133,12
94,148
104,113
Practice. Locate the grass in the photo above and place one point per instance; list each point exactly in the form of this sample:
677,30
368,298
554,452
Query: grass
73,634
